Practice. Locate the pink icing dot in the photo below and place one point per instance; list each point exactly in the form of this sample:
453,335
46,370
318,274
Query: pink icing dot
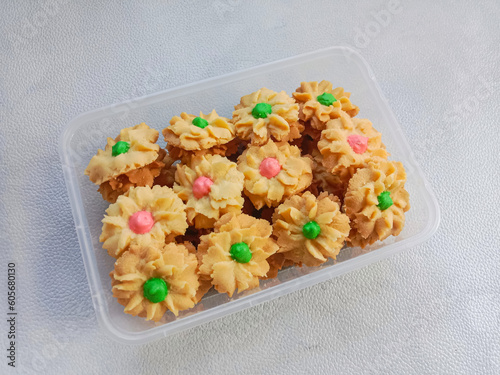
141,222
358,143
202,186
269,167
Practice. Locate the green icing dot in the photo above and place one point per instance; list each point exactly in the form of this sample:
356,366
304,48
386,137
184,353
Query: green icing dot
384,200
120,147
311,230
261,110
155,290
240,252
200,122
326,98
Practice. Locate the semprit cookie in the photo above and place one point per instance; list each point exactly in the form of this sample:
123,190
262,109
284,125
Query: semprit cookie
376,202
210,186
266,114
131,159
149,280
273,172
143,215
286,182
235,254
319,103
191,135
347,142
310,230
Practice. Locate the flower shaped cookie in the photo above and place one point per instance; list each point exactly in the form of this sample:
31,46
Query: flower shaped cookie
266,114
145,176
310,230
189,134
131,159
211,186
149,280
143,215
349,142
234,256
376,201
320,103
273,172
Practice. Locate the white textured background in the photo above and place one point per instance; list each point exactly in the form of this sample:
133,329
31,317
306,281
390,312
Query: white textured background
434,309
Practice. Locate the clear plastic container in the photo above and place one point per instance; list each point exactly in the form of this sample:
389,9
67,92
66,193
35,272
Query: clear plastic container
86,133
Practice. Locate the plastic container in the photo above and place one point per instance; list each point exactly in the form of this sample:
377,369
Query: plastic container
86,133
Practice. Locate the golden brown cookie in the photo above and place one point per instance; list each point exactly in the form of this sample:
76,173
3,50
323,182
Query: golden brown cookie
234,256
149,280
195,133
141,216
273,172
310,230
211,186
349,142
266,114
131,159
319,103
376,201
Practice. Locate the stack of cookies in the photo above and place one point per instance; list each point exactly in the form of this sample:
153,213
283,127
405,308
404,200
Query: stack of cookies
287,181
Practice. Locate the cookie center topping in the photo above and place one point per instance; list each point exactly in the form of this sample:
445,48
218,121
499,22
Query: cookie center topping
261,110
141,222
326,99
202,186
200,122
384,200
358,143
311,230
240,252
155,290
269,167
120,147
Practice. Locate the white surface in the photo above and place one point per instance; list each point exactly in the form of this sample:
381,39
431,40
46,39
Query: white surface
434,309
